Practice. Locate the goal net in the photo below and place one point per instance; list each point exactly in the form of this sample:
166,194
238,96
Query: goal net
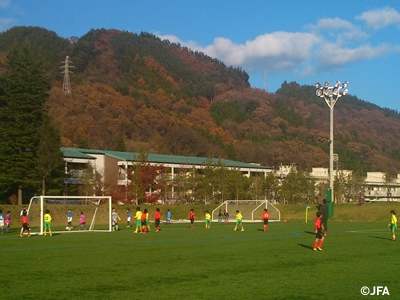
251,210
96,209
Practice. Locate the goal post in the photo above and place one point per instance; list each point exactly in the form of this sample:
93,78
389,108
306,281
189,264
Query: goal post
251,210
97,210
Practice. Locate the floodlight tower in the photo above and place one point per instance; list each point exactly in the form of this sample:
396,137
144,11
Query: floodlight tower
331,95
67,67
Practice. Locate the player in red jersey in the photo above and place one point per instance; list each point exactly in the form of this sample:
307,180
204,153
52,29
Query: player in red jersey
157,217
25,224
144,223
265,217
192,215
319,232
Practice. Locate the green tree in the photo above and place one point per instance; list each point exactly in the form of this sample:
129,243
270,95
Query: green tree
50,161
272,187
120,143
297,187
24,87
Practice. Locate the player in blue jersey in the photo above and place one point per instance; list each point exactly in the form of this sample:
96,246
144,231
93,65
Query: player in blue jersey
69,219
169,216
128,218
1,222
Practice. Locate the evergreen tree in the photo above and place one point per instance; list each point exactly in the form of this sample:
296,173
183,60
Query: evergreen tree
120,143
24,88
50,161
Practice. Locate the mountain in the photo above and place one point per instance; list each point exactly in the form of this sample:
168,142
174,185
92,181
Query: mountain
136,92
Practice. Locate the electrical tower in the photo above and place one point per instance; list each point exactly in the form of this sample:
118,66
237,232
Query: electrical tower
67,66
265,81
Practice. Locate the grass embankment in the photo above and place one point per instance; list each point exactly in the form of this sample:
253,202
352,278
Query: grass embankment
368,212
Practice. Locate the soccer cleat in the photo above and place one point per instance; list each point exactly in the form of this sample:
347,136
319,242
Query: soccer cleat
242,229
21,235
315,249
319,248
234,229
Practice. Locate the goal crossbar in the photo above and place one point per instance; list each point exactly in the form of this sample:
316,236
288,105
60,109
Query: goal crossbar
251,210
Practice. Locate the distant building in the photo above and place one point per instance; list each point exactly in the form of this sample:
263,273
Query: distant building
378,187
110,166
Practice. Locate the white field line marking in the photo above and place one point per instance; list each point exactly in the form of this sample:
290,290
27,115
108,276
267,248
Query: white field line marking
367,231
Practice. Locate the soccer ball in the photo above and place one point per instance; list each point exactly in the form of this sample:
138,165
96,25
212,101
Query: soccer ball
67,228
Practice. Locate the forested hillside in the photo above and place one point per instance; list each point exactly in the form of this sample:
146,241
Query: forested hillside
135,92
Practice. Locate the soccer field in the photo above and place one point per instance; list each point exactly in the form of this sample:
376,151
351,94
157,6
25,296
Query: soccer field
217,263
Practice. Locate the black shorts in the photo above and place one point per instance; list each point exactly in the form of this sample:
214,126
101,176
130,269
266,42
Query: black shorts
319,234
265,221
157,222
25,226
191,220
144,223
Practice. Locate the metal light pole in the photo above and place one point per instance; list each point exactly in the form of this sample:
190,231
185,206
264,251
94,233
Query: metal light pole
331,95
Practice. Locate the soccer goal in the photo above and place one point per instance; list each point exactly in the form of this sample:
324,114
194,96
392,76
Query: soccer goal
97,210
251,210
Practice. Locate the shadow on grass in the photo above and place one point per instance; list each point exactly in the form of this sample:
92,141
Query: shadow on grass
380,237
310,232
306,246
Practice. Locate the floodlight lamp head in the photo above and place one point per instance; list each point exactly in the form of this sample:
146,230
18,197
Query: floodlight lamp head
345,84
318,92
328,91
337,84
345,92
335,91
326,84
317,85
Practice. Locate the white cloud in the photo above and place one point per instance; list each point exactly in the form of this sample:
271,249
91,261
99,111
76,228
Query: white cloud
337,29
334,55
276,51
331,43
174,39
332,24
380,18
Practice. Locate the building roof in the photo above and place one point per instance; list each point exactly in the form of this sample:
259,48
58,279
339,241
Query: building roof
75,153
160,158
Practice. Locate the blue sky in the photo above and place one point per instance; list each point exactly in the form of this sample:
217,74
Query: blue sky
291,40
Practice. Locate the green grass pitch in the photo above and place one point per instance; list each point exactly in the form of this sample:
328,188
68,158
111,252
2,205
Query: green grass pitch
217,263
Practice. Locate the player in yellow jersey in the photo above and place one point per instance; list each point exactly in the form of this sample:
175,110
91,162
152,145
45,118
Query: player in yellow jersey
393,224
47,223
138,218
208,219
239,218
148,221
